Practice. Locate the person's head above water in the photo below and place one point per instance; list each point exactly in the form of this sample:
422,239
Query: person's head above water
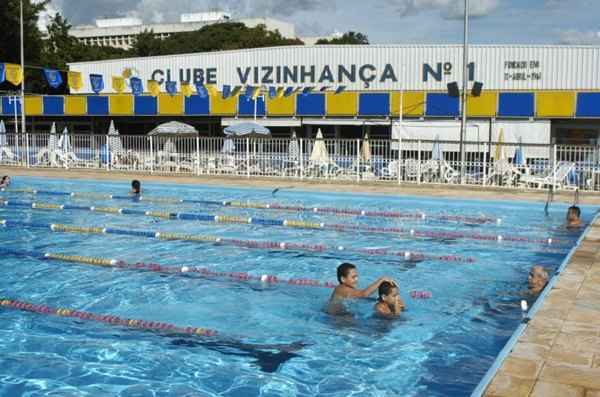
136,186
347,274
5,180
537,278
573,216
388,292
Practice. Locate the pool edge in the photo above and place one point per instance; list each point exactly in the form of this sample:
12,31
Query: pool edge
485,382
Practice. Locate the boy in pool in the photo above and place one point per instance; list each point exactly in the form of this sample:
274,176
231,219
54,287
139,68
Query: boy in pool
136,188
573,217
389,303
347,276
5,181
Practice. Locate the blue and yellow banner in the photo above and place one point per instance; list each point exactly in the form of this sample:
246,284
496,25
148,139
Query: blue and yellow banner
137,88
171,87
53,78
74,80
97,82
118,84
153,87
13,73
186,89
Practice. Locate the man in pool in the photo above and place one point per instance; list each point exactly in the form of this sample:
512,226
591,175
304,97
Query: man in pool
537,279
136,188
573,217
347,276
389,304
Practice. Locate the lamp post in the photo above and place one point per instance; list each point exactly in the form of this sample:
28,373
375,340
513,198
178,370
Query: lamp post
463,122
23,129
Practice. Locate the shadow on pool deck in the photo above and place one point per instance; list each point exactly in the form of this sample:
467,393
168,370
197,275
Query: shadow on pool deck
558,355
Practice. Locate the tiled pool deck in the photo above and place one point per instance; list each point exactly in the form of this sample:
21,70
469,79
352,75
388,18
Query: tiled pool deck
558,354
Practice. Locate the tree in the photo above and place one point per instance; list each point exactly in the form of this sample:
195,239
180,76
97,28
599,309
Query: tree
146,44
347,38
10,37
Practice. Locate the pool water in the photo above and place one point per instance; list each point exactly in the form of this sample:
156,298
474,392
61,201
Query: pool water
274,339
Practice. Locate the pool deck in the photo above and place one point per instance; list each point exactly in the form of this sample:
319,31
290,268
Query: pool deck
390,188
558,354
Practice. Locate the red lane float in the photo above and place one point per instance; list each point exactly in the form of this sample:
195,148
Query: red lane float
109,319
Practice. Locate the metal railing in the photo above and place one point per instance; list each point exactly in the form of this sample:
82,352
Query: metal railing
510,165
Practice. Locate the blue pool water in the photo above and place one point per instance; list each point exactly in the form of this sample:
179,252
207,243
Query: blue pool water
439,347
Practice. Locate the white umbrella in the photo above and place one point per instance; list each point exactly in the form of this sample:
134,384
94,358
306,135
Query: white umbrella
114,141
173,128
293,148
436,151
319,154
3,141
365,152
52,144
65,141
247,130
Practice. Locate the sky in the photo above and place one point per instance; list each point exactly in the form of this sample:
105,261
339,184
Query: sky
383,21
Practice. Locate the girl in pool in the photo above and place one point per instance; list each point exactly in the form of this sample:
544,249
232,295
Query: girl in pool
389,303
5,181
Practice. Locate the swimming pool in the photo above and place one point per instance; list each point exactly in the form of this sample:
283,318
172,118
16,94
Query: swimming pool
273,338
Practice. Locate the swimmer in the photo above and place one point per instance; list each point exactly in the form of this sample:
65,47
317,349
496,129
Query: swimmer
5,181
389,303
136,188
347,276
573,217
537,279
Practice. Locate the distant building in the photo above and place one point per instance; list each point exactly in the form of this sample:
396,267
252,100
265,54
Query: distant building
121,32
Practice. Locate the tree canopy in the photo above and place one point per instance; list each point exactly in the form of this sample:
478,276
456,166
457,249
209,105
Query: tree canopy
347,38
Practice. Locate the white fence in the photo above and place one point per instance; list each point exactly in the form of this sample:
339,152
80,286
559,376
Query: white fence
412,161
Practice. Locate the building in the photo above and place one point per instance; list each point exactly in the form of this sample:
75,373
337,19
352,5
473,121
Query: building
121,32
537,94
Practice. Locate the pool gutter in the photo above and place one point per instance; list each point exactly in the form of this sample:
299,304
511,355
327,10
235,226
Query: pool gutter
510,344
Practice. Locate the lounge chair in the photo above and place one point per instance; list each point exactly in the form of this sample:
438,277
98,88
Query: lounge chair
558,178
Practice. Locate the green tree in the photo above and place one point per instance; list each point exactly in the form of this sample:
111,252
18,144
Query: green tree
146,45
10,37
347,38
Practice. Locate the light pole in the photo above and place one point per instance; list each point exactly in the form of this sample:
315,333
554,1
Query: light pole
463,122
23,130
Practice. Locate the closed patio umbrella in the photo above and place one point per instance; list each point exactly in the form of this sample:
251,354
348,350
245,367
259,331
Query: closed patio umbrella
293,148
520,160
319,154
52,142
437,153
500,153
3,141
365,151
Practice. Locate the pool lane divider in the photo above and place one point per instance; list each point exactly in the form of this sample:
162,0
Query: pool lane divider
185,271
285,223
409,256
108,319
268,206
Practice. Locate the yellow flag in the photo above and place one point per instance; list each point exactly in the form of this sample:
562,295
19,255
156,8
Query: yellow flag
212,90
186,89
153,87
256,93
118,84
280,91
14,73
74,79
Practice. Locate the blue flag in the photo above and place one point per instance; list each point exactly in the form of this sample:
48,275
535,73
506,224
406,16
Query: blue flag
226,91
53,77
201,89
288,91
249,91
2,73
340,89
96,82
171,87
137,88
272,92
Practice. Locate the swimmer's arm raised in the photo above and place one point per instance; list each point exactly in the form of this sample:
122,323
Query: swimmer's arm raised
370,290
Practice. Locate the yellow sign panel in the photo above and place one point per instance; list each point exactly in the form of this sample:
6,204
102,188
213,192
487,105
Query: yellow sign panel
555,103
120,105
75,105
34,106
413,104
485,105
170,104
285,106
344,104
